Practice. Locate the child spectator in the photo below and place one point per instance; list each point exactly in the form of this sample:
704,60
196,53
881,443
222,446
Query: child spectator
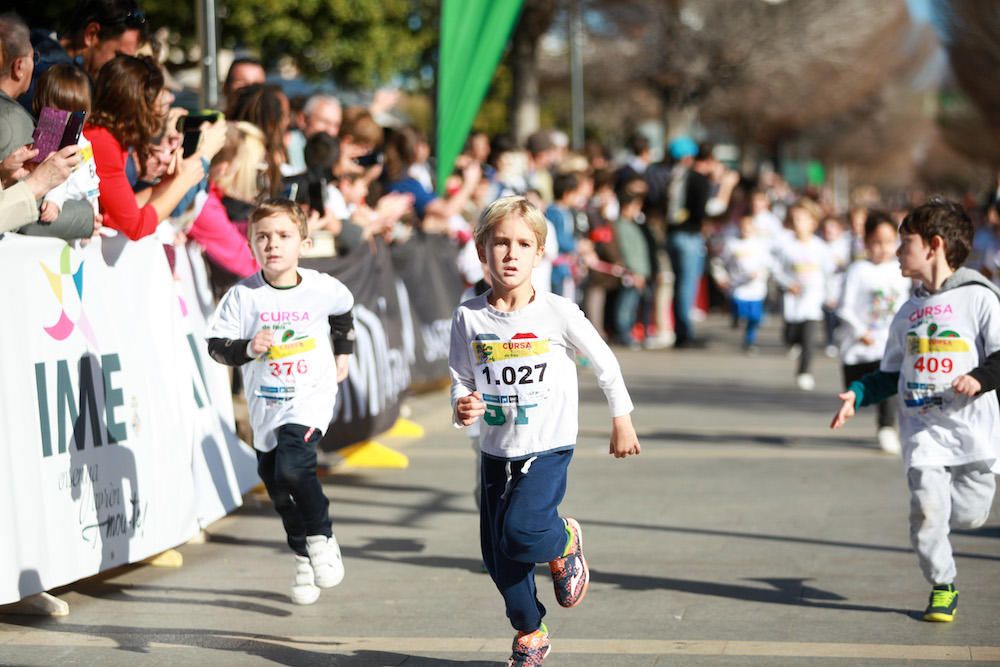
635,256
563,217
512,364
277,326
745,264
803,270
874,289
943,358
839,243
67,88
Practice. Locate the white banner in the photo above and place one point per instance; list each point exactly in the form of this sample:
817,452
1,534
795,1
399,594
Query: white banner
99,419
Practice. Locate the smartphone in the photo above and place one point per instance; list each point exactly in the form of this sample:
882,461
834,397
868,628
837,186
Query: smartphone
74,127
369,159
316,197
190,143
192,122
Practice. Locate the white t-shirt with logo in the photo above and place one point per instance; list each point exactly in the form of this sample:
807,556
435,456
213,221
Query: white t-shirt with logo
523,363
933,339
809,265
295,382
873,293
748,263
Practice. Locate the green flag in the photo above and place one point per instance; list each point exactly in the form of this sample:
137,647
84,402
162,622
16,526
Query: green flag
473,34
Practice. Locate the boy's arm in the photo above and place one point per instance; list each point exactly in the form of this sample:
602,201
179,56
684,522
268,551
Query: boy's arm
874,388
584,337
229,352
342,333
987,374
463,381
847,311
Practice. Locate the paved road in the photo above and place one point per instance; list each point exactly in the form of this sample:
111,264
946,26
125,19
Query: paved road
746,534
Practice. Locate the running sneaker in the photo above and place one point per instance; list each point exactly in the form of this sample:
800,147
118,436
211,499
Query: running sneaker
570,574
530,648
324,556
942,605
304,588
888,440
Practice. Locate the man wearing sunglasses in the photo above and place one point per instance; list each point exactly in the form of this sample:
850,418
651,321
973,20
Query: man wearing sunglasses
96,32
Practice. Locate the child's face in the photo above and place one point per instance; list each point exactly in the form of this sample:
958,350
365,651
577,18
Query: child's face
511,252
832,229
746,227
881,244
803,223
915,256
277,245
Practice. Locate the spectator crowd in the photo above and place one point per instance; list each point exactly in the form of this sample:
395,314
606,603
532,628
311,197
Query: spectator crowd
645,244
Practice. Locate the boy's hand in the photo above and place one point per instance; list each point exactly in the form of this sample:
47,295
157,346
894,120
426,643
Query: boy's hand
49,212
795,289
867,338
966,385
343,366
470,408
261,342
846,410
624,441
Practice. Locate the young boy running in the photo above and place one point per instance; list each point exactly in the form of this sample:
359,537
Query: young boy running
512,363
943,358
277,326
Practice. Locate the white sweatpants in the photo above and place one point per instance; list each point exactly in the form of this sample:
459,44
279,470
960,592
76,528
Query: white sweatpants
942,498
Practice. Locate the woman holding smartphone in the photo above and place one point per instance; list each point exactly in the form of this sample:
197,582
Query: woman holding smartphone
130,110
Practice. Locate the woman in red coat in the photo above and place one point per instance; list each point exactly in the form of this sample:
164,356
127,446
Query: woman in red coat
129,111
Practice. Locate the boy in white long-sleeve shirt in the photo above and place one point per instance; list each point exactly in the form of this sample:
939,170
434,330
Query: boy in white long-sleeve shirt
804,268
943,358
743,269
512,364
874,289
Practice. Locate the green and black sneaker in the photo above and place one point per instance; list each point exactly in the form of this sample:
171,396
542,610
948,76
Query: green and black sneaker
943,604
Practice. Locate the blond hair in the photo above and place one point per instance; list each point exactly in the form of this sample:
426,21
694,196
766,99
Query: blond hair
279,206
245,151
504,208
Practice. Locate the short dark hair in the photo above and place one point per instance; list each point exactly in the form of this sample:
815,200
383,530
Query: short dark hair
538,142
638,143
15,40
114,17
322,153
942,217
564,183
876,218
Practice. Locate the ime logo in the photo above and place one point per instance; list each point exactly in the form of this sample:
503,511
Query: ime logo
67,287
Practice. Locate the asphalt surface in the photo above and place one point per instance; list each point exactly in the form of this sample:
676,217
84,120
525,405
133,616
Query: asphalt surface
747,533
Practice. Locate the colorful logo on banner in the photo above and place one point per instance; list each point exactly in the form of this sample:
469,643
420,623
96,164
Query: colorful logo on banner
64,284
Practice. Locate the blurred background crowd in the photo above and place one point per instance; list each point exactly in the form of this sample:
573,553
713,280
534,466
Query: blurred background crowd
707,121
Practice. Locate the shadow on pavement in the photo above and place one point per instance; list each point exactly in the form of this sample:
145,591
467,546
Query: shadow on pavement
749,398
783,591
723,438
269,647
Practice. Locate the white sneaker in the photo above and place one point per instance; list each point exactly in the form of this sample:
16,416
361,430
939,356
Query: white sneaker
888,440
805,381
324,555
304,589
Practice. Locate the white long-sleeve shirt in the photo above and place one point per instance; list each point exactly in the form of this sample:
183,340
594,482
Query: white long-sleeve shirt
809,265
523,364
872,295
933,339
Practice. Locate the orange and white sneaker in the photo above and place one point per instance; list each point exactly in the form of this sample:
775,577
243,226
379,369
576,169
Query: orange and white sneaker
530,648
570,574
